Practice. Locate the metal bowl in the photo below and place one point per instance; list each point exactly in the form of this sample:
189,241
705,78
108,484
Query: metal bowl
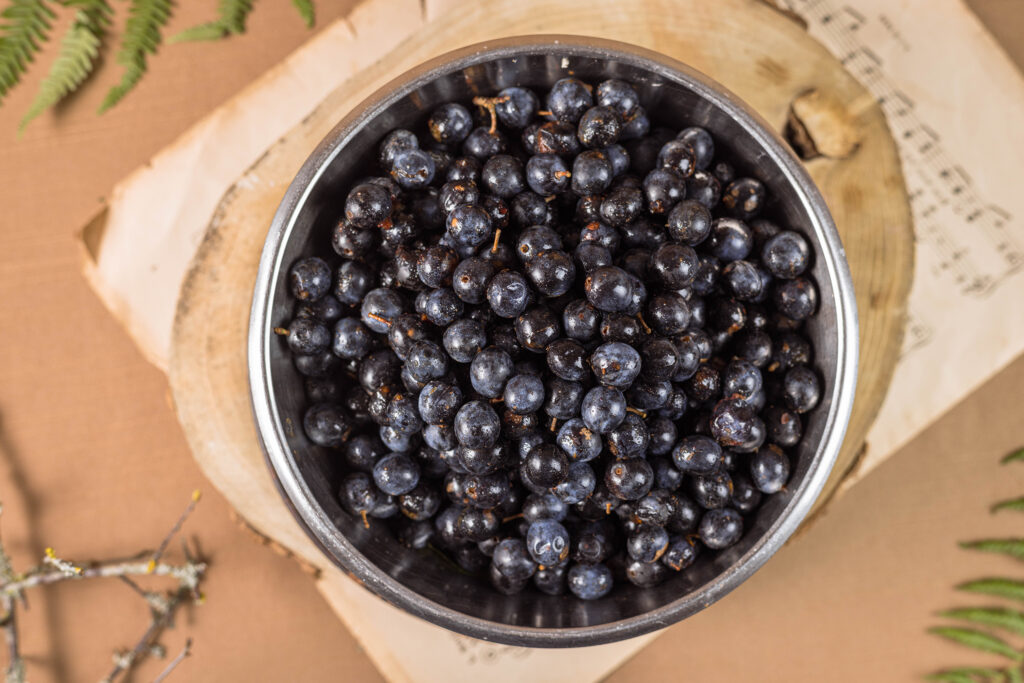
420,582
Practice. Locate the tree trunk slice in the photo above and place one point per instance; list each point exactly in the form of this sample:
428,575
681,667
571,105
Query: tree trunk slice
756,51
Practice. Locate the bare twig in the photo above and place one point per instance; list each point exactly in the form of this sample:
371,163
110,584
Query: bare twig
188,573
161,620
6,569
69,569
185,652
162,605
15,664
134,586
196,495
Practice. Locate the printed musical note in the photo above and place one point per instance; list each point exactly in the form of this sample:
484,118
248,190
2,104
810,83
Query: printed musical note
959,228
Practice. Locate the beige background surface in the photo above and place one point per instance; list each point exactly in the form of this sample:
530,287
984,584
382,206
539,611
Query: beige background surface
94,464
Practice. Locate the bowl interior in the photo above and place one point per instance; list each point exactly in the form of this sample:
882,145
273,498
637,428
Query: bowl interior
674,99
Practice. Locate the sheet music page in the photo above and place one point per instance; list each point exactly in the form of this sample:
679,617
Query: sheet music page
955,105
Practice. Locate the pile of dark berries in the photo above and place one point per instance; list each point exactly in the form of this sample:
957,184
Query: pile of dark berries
556,343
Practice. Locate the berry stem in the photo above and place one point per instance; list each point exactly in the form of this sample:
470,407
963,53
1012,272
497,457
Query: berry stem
643,323
489,103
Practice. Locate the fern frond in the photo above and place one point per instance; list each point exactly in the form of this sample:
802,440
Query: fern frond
1015,504
306,11
212,30
141,38
24,25
77,56
997,617
967,674
231,16
978,640
1013,457
1002,588
1014,547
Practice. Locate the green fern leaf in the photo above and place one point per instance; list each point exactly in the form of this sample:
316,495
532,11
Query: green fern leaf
141,38
76,59
967,674
1016,455
997,617
977,640
212,30
1001,588
1015,504
306,10
1014,547
24,25
231,16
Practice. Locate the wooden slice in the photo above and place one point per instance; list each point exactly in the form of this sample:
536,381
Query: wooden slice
753,49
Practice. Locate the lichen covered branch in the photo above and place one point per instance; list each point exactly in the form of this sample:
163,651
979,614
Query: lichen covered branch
163,605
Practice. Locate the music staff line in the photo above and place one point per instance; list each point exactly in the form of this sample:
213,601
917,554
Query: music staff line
947,183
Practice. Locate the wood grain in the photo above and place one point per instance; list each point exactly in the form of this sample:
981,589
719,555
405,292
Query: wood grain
763,56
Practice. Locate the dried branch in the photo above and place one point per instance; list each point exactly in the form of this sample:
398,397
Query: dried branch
162,605
188,574
124,661
196,495
15,664
185,652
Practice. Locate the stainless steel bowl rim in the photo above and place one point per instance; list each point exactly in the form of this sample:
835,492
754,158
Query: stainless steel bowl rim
271,430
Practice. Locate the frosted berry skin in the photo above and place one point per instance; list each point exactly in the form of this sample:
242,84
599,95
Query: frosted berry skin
396,474
615,364
477,425
603,409
516,107
590,582
578,441
450,123
552,272
648,543
801,389
326,425
578,484
698,454
609,289
568,99
592,173
508,294
629,479
308,336
512,559
560,343
769,469
309,279
599,127
786,255
721,528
